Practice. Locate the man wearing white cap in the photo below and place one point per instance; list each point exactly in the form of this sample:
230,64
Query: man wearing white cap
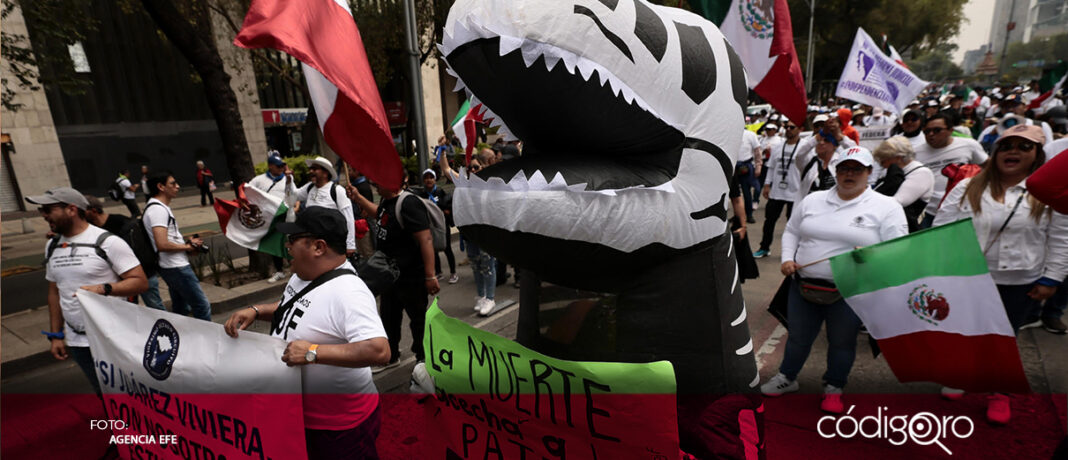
878,118
81,256
322,191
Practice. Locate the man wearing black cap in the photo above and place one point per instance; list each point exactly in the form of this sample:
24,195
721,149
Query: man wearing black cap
329,319
82,256
912,127
277,181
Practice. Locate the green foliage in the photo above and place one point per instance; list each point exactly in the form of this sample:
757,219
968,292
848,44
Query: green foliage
936,65
59,23
381,24
1025,61
296,164
411,164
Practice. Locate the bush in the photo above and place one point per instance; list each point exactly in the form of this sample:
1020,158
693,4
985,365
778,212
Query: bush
296,164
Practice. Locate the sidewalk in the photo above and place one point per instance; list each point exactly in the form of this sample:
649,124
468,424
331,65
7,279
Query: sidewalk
22,345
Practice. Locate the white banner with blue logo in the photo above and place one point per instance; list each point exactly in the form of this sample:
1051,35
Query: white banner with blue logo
873,78
179,387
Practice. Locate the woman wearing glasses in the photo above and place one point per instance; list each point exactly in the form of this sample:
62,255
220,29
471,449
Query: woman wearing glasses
825,224
1025,242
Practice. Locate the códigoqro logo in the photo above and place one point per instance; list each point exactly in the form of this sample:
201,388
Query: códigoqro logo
923,428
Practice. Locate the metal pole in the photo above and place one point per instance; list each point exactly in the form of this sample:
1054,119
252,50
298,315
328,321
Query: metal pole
1005,48
808,66
418,115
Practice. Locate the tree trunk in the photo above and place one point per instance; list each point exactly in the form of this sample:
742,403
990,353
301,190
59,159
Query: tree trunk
198,47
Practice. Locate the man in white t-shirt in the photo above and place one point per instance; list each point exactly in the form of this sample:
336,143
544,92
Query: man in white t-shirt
82,256
277,181
322,191
330,320
781,185
745,169
129,198
940,150
174,268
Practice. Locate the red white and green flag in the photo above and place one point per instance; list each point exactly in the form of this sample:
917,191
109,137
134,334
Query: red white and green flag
929,300
761,33
464,126
253,226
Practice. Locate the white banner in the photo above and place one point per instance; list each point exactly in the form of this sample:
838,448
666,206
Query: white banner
180,387
872,136
873,78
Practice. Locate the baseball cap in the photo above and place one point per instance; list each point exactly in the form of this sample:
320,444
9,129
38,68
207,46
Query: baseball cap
322,163
931,103
820,118
771,126
858,154
275,160
877,112
1030,132
431,172
322,223
60,195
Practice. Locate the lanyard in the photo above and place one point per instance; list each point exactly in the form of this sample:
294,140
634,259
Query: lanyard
782,158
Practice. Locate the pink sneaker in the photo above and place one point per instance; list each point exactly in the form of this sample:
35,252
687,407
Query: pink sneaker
998,410
832,400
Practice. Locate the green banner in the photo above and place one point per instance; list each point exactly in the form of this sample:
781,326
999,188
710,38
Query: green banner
496,397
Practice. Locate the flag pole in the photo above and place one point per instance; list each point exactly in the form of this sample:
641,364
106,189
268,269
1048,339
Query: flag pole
418,112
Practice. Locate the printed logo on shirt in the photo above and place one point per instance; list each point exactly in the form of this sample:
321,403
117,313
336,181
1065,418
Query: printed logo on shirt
859,222
161,349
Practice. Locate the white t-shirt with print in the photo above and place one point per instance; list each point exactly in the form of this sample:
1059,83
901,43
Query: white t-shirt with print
959,150
339,311
72,267
320,196
160,215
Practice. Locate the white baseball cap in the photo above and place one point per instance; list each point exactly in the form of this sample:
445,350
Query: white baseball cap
820,118
858,154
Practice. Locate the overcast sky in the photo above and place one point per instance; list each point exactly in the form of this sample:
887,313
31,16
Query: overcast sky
976,31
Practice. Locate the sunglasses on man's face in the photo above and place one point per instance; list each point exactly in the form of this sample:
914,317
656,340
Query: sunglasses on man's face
843,169
932,131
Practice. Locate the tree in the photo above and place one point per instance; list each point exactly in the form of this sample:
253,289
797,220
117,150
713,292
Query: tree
1024,61
936,65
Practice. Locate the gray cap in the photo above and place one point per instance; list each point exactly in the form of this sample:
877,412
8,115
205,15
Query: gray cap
60,195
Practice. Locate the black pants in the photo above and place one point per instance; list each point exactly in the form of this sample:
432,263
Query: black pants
131,204
356,442
771,215
205,191
448,255
277,263
407,295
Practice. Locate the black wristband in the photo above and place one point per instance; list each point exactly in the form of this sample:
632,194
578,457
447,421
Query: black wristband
107,288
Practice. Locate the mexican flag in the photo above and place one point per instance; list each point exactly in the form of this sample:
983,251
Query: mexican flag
929,300
464,126
253,227
761,34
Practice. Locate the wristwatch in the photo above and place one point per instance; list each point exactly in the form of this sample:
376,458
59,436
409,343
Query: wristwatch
107,288
311,354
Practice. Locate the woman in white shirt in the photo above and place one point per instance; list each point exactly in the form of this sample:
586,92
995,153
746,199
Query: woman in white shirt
907,180
1025,242
825,224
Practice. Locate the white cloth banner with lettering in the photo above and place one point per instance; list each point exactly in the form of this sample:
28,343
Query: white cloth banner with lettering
179,387
873,78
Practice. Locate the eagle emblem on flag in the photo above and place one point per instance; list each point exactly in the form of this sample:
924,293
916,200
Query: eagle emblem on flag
758,17
928,305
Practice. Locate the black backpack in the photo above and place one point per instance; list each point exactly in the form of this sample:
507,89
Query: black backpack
115,192
54,243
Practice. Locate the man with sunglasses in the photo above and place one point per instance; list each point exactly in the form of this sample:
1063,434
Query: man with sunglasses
329,319
322,191
81,256
911,127
781,186
940,150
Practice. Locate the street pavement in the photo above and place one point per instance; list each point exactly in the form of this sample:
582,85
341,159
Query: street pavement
792,422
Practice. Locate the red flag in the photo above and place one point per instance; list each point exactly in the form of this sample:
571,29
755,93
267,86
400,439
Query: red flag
783,86
323,36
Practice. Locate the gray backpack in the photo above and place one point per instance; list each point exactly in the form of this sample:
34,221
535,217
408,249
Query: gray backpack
434,215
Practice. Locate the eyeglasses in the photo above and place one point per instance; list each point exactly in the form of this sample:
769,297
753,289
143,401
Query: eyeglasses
297,236
931,131
791,126
475,168
46,209
843,169
1023,146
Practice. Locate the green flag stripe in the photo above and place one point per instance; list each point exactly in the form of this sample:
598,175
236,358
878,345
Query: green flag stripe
713,10
949,250
461,114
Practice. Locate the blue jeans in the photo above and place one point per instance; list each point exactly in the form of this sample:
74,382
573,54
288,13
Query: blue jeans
806,320
746,182
928,220
151,297
186,292
484,267
1054,307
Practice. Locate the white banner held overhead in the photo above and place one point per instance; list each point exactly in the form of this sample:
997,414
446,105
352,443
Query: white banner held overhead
873,78
176,386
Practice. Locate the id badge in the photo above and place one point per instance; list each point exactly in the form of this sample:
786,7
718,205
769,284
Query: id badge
782,184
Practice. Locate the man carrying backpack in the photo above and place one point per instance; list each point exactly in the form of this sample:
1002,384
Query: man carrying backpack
127,228
124,191
407,239
322,191
81,256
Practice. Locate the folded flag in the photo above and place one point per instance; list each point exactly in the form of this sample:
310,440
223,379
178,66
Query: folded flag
464,126
253,226
929,300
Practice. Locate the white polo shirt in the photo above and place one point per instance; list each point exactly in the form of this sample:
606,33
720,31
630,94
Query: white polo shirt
783,179
959,150
823,225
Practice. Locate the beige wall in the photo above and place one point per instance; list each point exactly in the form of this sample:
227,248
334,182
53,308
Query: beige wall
238,64
38,160
435,126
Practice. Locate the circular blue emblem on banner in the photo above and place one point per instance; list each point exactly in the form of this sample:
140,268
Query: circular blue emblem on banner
161,349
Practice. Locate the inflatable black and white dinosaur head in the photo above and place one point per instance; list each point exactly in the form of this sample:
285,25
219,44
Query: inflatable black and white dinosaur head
630,115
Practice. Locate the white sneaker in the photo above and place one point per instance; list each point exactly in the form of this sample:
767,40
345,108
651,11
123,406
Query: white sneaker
478,302
454,278
487,306
421,381
778,385
276,277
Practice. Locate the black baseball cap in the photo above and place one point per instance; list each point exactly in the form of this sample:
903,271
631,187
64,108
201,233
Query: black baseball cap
322,223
